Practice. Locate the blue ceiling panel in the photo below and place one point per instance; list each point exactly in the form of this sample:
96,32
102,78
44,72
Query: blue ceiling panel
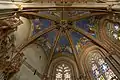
84,24
76,37
40,24
50,36
63,41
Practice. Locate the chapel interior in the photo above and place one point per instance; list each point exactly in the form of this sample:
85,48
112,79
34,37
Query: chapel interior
59,39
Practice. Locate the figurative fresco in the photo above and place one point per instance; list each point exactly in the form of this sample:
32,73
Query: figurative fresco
89,25
40,24
75,13
63,45
50,36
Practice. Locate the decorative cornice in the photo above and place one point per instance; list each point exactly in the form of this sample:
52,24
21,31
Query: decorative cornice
88,5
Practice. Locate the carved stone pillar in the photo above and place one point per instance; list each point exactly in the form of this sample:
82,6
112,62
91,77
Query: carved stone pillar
7,65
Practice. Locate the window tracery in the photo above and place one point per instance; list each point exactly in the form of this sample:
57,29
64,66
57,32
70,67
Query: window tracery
113,30
63,72
100,69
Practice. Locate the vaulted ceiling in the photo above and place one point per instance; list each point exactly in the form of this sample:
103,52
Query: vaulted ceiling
61,27
62,37
89,24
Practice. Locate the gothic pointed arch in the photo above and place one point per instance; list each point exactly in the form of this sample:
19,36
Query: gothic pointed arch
63,68
109,32
95,65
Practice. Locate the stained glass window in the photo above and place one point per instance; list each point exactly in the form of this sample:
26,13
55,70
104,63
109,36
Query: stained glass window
100,69
113,30
63,72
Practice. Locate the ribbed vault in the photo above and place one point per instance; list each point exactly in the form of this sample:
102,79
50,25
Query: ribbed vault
62,29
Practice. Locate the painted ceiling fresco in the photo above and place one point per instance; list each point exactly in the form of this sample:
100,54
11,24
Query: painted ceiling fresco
63,45
89,25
